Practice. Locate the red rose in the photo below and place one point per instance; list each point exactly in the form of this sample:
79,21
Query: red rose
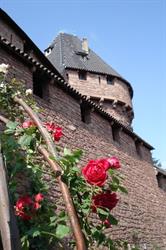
28,124
50,126
26,207
113,163
104,200
39,197
36,205
21,204
107,223
56,131
95,173
57,134
23,215
23,201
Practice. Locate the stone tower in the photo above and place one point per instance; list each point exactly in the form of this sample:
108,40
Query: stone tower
91,76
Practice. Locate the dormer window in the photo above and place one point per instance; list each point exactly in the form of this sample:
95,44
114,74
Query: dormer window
110,80
82,75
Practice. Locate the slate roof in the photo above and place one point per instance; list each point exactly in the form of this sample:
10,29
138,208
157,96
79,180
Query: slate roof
66,52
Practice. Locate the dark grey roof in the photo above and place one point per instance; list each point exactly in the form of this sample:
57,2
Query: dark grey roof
66,52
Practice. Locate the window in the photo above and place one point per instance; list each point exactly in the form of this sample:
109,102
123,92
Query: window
40,85
110,79
161,179
99,79
115,133
82,75
85,112
138,148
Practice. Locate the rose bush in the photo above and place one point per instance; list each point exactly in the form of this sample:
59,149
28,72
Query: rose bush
92,188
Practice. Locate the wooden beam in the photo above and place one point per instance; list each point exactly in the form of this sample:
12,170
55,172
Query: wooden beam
8,226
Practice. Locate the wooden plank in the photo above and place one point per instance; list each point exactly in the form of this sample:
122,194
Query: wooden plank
8,226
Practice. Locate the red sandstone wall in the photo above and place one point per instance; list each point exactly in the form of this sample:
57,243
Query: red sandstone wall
7,32
92,87
143,210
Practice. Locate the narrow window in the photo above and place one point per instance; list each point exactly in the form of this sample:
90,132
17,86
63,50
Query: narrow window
82,75
85,113
99,79
110,80
161,179
138,148
40,85
116,133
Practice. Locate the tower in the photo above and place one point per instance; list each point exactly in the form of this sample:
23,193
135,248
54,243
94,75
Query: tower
91,76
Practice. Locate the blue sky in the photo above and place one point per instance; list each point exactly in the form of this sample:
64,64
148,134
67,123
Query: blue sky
128,34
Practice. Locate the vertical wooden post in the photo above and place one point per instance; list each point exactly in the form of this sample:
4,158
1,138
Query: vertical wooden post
8,227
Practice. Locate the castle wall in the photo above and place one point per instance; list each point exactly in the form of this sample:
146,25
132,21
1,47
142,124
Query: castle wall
115,97
10,34
93,87
142,211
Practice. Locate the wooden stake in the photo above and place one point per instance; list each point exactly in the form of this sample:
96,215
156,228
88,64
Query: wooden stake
8,226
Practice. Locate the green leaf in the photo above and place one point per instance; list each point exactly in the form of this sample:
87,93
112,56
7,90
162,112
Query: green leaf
25,140
115,179
98,236
66,151
113,186
111,171
62,231
53,219
112,219
12,125
25,242
102,211
36,233
123,189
